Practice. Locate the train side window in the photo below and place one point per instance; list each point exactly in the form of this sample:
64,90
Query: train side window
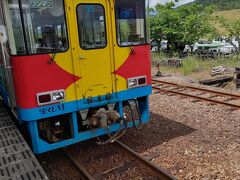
36,27
91,26
130,22
14,27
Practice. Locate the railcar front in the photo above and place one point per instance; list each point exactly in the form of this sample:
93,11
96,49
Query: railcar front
72,70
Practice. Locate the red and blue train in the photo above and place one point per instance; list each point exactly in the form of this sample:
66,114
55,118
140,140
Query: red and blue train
72,70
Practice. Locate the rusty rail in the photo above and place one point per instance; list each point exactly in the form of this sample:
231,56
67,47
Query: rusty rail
197,88
158,82
161,173
85,175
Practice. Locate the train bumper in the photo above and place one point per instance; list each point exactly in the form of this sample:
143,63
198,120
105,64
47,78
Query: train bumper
32,116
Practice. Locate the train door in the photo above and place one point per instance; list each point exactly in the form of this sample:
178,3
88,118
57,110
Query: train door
95,49
6,83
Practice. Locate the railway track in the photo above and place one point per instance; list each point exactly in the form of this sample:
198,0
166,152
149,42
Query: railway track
158,172
198,93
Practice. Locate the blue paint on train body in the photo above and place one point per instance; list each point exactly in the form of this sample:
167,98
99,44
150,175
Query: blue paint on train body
68,107
31,117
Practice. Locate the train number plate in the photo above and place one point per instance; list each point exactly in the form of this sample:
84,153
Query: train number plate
51,109
41,4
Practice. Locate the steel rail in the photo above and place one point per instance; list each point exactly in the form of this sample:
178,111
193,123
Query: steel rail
85,175
197,88
161,173
197,97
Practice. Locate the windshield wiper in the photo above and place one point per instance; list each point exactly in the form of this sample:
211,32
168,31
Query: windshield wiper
51,60
129,45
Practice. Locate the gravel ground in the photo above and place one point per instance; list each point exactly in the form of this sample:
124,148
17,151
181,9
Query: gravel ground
97,160
57,166
193,140
211,151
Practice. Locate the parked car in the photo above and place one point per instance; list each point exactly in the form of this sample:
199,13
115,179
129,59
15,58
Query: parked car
187,49
153,44
163,45
206,47
227,49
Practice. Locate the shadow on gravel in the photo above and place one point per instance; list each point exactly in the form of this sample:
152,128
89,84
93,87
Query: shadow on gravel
57,166
156,132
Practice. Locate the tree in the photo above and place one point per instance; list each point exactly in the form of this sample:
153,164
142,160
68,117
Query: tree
233,30
183,25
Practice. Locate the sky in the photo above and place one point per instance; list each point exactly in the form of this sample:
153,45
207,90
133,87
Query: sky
154,2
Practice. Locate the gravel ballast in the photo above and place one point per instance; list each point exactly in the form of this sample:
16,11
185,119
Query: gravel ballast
211,151
193,140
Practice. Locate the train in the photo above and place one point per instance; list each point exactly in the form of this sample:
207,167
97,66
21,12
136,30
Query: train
73,70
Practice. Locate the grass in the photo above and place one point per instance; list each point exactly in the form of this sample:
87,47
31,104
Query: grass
195,67
230,15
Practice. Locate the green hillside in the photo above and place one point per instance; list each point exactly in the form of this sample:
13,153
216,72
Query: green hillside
220,4
229,15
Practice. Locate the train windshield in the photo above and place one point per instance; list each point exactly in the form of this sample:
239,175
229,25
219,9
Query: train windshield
131,22
35,27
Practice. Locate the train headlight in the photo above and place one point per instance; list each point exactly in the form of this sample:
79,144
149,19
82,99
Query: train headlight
50,97
132,83
137,81
56,96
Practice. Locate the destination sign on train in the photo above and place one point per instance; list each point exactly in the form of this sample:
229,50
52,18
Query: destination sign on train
41,4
